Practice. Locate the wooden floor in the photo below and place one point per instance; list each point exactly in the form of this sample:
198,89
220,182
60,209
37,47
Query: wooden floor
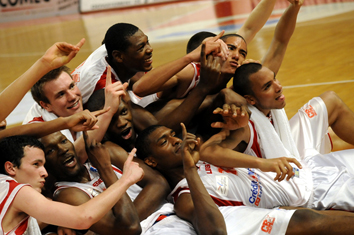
320,56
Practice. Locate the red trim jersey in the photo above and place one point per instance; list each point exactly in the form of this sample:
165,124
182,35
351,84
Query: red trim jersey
8,191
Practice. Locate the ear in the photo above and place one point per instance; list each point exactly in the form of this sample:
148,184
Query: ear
46,106
10,168
150,161
250,99
118,56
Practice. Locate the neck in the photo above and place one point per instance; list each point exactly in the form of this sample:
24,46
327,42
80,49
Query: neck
123,73
173,176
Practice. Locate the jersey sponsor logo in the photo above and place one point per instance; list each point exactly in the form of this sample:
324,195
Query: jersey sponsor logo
208,169
310,111
222,184
98,182
267,224
227,170
256,188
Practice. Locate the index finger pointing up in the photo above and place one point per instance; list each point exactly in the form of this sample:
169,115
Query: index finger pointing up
108,76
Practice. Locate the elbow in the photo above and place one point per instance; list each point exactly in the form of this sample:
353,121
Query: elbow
132,229
219,231
138,90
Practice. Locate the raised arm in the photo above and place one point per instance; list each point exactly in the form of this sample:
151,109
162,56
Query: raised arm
256,19
197,207
36,205
57,55
283,32
168,75
84,120
113,94
154,186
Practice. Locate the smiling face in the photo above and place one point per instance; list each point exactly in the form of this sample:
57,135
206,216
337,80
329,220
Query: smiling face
165,148
268,93
61,157
121,129
31,170
237,54
63,95
138,56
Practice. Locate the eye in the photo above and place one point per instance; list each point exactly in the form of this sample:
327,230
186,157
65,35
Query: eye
49,151
124,111
173,134
72,85
230,48
163,142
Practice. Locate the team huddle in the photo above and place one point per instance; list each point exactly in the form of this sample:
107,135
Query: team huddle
118,147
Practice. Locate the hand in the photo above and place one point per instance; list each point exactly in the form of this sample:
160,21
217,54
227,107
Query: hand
231,97
97,153
211,80
280,166
247,61
234,117
84,120
113,92
189,148
296,2
214,46
61,53
65,231
131,170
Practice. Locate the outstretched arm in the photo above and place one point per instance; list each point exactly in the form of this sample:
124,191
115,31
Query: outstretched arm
256,19
57,55
283,32
167,76
36,205
197,207
81,121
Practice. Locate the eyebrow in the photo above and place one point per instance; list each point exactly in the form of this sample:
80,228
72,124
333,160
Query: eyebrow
231,45
163,136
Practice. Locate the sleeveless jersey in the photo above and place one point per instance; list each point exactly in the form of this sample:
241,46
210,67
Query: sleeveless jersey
8,190
91,74
250,187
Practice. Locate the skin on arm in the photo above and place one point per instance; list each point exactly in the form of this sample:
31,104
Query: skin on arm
57,55
168,76
113,93
283,32
197,207
31,202
256,19
155,187
81,121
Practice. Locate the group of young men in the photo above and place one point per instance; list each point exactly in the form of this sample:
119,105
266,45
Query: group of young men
253,172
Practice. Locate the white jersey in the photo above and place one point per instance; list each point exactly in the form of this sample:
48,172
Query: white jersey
39,114
91,74
8,191
96,185
250,187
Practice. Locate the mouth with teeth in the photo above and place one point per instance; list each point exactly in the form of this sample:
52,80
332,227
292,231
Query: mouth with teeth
281,97
70,161
148,60
75,105
127,133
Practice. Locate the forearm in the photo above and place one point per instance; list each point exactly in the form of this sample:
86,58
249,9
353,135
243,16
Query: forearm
283,32
154,80
225,157
256,19
36,129
186,111
207,218
14,93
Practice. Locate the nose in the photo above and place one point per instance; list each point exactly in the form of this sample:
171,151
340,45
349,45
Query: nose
149,49
279,87
62,149
235,55
175,141
71,95
44,172
122,122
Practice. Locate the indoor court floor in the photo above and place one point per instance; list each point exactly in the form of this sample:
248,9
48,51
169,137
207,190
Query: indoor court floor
320,56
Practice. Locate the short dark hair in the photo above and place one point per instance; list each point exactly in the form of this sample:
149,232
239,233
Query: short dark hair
116,37
197,39
143,143
224,37
241,81
37,89
96,101
12,149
